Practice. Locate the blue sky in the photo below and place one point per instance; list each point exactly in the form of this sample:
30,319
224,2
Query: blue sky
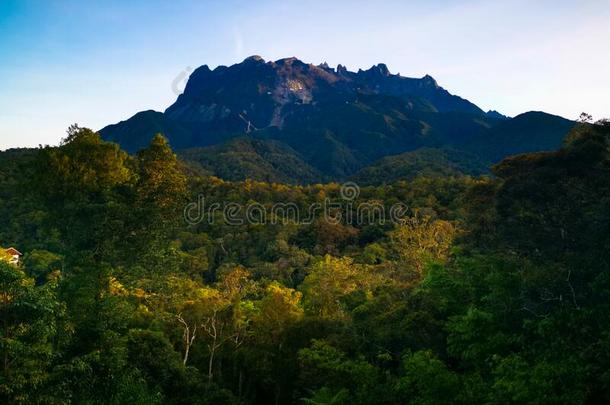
96,63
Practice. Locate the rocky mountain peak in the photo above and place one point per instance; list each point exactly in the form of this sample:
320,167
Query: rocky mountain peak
381,69
430,81
495,114
254,58
288,61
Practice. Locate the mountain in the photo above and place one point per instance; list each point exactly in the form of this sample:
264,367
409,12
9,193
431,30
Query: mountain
530,132
329,122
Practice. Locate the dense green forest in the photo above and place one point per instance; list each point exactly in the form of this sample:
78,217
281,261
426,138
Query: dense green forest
490,290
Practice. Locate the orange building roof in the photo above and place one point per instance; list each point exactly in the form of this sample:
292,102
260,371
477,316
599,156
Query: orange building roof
13,251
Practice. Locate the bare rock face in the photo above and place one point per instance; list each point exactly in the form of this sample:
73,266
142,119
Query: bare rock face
266,92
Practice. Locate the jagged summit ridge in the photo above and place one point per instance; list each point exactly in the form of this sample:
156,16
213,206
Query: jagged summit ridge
263,90
380,69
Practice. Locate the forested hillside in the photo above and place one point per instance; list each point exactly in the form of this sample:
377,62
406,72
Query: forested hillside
482,290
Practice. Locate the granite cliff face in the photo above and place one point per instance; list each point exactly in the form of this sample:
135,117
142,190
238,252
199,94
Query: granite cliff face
255,94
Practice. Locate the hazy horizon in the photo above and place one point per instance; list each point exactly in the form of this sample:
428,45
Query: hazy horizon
99,63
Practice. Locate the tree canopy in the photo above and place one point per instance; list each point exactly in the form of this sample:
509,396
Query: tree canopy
490,290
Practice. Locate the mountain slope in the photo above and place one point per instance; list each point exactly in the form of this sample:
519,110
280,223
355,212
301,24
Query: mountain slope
529,132
136,132
257,159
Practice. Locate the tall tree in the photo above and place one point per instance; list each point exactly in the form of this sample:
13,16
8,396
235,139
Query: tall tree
28,332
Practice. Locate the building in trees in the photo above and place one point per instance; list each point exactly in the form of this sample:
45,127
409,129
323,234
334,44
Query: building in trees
11,255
